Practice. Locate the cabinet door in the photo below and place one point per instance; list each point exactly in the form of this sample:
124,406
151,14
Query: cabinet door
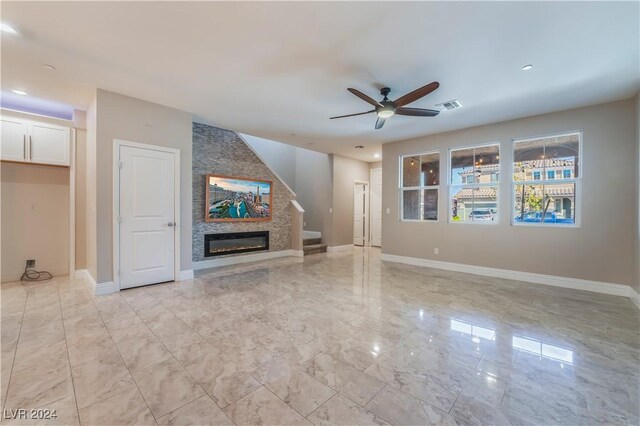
49,144
13,142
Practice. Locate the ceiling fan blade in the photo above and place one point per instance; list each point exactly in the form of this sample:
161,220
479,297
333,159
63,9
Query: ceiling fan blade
364,97
380,122
417,112
352,115
416,94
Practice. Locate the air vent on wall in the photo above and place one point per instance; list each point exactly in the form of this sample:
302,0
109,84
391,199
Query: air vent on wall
449,105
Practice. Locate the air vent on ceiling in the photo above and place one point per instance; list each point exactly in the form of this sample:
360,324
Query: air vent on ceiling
449,105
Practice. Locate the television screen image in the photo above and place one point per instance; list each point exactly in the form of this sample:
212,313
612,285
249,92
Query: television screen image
237,199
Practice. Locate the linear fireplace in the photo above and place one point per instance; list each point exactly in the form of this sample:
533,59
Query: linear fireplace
235,242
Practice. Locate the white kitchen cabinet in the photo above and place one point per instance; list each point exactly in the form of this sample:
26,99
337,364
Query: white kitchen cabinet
49,144
14,139
34,142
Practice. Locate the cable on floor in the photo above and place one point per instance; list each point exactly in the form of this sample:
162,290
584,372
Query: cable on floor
33,275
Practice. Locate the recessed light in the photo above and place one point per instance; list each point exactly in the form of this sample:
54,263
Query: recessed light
376,155
359,146
19,92
49,67
6,28
527,67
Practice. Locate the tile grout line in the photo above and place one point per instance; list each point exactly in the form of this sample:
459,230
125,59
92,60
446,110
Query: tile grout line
174,357
120,354
321,405
66,343
15,351
250,374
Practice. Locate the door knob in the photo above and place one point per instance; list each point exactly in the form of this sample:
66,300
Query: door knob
171,224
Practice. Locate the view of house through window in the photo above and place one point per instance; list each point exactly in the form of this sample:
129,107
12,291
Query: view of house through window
419,187
545,177
474,179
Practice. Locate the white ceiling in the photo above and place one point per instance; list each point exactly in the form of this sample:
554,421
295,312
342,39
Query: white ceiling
280,70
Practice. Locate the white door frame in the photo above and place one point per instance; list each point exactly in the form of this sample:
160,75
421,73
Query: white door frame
117,143
370,209
365,237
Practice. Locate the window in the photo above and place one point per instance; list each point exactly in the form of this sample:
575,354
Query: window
552,200
473,180
419,183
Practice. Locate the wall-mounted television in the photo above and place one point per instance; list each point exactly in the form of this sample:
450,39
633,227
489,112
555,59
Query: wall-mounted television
238,199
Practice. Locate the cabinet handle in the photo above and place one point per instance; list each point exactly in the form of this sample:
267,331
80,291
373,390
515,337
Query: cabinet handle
24,146
30,148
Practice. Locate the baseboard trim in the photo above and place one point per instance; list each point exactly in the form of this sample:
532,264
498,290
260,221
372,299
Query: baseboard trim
552,280
311,234
83,274
337,249
187,274
234,260
635,297
107,287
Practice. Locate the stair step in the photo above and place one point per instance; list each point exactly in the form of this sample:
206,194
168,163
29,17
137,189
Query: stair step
311,241
314,248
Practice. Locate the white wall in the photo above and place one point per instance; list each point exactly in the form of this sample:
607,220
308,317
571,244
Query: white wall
601,249
35,218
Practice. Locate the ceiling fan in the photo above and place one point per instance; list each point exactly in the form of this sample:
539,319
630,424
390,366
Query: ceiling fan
386,108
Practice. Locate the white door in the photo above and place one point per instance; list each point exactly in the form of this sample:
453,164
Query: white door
14,140
147,212
49,144
376,207
359,213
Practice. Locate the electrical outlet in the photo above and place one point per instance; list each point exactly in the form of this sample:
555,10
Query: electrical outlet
31,263
304,224
388,210
436,251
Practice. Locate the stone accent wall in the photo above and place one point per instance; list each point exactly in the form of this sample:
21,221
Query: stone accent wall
223,152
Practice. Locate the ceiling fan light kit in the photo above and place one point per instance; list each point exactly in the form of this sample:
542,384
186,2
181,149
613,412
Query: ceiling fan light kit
385,108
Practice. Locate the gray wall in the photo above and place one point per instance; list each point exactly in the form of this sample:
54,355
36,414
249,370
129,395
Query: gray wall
279,156
223,152
636,253
307,172
91,245
314,189
125,118
345,172
602,249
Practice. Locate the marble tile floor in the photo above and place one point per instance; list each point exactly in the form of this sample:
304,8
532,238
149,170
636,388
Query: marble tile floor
338,338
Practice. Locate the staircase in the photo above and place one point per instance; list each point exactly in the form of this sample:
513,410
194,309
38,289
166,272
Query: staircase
313,246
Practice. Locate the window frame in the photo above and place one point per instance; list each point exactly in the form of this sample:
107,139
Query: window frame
401,188
451,187
575,180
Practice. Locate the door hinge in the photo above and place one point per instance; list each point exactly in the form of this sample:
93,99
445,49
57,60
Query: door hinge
120,164
119,219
